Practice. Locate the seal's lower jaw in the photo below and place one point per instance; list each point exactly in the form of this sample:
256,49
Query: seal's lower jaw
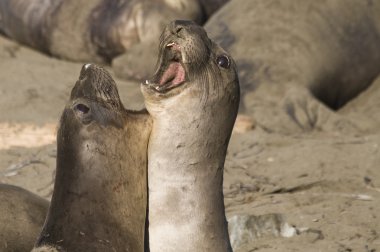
171,73
172,78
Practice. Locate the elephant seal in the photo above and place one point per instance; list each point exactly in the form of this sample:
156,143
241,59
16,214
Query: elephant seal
100,191
299,61
193,99
22,216
97,30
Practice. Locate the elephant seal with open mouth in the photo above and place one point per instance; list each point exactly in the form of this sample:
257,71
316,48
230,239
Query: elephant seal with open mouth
193,99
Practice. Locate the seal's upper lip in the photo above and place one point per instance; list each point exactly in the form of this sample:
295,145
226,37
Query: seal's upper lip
171,72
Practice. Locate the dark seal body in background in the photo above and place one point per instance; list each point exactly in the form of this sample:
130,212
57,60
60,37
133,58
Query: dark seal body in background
94,30
307,58
100,192
193,99
22,216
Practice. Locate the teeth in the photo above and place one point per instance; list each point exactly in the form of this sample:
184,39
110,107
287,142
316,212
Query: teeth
170,44
146,82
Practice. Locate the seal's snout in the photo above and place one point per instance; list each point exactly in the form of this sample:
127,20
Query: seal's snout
93,75
86,70
87,66
95,83
184,47
177,26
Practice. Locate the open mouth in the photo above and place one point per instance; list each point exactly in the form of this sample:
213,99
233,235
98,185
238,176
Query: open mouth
172,73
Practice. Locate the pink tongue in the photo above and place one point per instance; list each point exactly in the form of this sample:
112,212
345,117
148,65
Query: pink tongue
175,74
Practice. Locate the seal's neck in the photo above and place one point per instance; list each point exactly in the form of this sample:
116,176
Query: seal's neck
99,192
187,150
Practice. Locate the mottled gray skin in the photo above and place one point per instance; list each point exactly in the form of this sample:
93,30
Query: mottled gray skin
96,30
192,124
306,57
22,215
100,192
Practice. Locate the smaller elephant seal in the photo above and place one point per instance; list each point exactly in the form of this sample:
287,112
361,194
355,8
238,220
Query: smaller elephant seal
22,216
100,191
193,99
299,61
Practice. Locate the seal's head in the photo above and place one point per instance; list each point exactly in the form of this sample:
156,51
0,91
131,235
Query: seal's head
193,99
93,114
100,183
95,98
191,68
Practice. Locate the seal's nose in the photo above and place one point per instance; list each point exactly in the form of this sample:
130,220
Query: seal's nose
88,70
86,67
84,70
178,25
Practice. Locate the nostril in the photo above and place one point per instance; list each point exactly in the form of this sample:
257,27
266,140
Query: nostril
178,29
177,26
82,108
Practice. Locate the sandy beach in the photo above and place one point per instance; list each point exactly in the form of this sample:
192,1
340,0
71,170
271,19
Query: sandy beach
326,185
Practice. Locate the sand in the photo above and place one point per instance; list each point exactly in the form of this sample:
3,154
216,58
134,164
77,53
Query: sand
325,184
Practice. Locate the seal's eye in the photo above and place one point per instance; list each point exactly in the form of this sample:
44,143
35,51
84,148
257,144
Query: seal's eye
82,108
223,61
